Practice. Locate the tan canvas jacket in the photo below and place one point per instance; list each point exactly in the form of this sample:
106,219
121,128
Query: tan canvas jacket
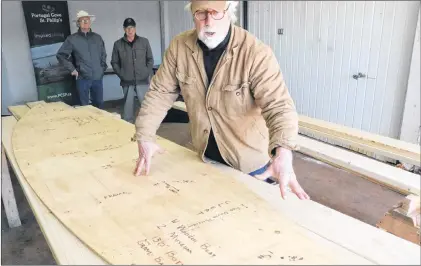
247,103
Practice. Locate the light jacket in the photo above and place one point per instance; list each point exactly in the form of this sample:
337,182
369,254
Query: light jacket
247,103
84,52
132,64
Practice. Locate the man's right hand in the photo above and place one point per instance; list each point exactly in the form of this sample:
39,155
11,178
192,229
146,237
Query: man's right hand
146,151
75,73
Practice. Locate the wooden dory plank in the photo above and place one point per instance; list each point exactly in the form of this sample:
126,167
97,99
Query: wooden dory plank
360,238
145,220
380,145
392,177
18,111
327,225
66,248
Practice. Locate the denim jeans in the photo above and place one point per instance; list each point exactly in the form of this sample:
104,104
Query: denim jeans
261,171
129,108
90,89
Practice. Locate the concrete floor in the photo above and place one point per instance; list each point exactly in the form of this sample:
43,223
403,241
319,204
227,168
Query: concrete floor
332,187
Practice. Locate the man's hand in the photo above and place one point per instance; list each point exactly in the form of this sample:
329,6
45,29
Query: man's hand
281,168
146,151
75,73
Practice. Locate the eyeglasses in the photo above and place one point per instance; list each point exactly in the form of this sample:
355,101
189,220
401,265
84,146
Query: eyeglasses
86,20
203,14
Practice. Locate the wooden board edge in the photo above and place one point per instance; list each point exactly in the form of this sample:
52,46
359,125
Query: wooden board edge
392,154
33,104
370,139
394,178
18,111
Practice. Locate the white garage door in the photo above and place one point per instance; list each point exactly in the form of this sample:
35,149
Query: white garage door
346,61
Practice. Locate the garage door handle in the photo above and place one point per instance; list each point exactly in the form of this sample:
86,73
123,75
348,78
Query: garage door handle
359,75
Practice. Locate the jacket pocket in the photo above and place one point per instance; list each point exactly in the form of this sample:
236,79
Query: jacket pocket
236,98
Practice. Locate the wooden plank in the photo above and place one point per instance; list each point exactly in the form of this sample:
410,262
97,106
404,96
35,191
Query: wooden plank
144,220
32,104
392,177
66,248
395,178
18,111
324,225
7,194
380,145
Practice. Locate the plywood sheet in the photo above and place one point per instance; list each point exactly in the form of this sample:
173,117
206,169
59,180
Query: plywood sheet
18,111
80,164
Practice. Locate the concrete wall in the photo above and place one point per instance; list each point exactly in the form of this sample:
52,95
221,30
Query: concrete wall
411,123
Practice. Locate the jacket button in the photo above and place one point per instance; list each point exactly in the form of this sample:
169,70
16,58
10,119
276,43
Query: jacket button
210,108
205,131
238,94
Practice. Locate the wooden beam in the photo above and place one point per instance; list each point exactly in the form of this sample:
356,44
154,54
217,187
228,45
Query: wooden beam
7,194
379,145
395,178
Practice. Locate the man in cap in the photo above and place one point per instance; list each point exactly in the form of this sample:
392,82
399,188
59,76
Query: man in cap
132,61
240,110
83,54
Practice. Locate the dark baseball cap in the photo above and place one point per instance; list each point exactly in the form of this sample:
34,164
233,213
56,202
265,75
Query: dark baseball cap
129,22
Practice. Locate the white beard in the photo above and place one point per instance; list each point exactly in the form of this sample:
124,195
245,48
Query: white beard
211,41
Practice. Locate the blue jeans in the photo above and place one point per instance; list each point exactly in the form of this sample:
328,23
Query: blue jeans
261,171
90,89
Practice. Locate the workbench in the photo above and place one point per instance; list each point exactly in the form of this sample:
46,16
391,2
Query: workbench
344,235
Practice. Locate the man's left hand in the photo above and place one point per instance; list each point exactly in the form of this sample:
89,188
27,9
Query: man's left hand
282,169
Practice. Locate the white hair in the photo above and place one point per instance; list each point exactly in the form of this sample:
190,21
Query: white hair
232,9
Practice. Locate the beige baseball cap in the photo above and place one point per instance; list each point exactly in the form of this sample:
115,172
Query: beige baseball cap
204,5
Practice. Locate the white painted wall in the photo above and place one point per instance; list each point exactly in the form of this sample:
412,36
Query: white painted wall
109,21
18,73
411,123
325,43
16,57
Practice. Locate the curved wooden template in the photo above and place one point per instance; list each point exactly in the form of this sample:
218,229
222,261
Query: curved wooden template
80,164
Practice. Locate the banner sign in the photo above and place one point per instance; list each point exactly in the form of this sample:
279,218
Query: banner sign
47,23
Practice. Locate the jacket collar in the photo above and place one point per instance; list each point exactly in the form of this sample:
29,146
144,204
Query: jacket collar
232,46
125,38
82,33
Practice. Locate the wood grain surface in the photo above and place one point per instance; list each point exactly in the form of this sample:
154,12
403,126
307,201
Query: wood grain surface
80,164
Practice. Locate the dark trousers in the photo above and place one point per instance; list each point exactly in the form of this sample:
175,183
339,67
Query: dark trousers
92,89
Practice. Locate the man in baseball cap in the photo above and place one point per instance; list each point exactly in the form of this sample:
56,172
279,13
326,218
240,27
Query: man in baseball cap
132,61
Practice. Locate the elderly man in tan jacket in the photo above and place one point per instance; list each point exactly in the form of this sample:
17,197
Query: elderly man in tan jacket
240,110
